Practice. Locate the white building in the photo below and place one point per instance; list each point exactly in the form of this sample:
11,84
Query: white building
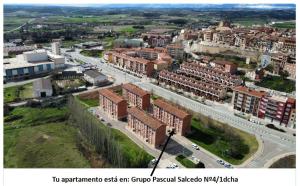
31,64
55,47
42,88
94,77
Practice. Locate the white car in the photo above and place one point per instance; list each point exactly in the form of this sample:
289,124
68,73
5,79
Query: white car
221,162
154,161
175,165
195,146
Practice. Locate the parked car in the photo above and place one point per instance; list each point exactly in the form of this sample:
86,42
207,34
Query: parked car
154,161
195,146
175,165
221,162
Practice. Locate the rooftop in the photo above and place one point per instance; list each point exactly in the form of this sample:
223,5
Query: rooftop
170,108
249,91
145,118
109,94
93,73
135,89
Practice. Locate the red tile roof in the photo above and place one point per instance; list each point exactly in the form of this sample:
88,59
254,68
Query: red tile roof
111,95
170,108
134,89
145,118
248,91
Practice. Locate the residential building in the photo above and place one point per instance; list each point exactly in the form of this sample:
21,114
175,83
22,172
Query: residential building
174,117
42,88
247,100
225,66
157,39
55,46
273,109
111,103
209,90
276,109
212,73
142,61
176,51
208,35
146,127
140,66
136,96
292,120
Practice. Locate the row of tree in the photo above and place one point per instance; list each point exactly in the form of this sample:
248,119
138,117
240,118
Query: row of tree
103,138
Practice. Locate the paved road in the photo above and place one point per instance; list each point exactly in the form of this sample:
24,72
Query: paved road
275,143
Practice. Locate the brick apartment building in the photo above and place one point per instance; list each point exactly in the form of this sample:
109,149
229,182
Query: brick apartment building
136,96
225,66
213,75
115,106
146,127
143,61
247,100
138,65
157,39
274,109
172,116
209,90
176,51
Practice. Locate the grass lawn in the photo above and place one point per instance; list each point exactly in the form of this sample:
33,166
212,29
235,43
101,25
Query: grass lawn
52,145
131,150
285,162
288,25
89,102
92,53
70,43
39,137
185,161
277,83
241,63
128,29
108,42
154,97
27,116
218,139
248,22
18,93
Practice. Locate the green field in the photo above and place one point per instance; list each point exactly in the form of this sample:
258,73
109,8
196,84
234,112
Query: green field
92,53
231,144
14,22
18,93
89,102
248,22
28,116
185,161
131,150
40,138
290,25
277,83
128,30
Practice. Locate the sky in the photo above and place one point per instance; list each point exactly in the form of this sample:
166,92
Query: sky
72,2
